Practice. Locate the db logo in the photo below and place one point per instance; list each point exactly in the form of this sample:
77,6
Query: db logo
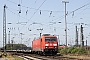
50,44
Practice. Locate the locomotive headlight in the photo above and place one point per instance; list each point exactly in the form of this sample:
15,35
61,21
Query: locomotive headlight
46,47
46,44
54,44
55,47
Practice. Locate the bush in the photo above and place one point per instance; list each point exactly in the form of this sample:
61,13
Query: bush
70,49
63,51
82,51
74,51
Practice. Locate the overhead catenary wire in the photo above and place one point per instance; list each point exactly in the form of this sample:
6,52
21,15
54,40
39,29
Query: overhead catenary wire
35,8
15,13
73,12
57,11
79,8
41,10
34,13
50,13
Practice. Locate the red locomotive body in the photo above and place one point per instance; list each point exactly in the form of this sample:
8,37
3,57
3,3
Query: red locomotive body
45,44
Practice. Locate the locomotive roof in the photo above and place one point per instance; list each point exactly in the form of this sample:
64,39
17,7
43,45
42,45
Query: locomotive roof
47,35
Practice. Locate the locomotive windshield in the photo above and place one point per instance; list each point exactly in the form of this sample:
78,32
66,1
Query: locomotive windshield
50,39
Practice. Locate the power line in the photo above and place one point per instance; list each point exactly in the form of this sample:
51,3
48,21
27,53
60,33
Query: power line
74,11
36,11
79,8
33,14
34,8
16,14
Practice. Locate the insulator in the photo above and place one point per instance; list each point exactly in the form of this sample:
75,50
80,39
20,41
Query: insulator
20,11
50,12
40,12
73,13
26,12
59,22
19,5
29,30
67,13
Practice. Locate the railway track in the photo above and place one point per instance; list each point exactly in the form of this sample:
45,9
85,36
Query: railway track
28,56
39,57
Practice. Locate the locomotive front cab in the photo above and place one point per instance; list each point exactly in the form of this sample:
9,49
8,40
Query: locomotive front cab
51,45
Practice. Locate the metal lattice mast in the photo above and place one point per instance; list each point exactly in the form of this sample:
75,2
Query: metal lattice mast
4,29
81,37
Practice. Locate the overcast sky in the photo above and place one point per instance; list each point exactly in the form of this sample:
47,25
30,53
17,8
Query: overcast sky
27,16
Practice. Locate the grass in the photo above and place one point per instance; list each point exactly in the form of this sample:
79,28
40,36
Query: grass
10,57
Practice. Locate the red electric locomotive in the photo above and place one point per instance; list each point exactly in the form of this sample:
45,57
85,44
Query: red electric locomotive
46,44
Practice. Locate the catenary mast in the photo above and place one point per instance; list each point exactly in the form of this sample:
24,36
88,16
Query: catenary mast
4,28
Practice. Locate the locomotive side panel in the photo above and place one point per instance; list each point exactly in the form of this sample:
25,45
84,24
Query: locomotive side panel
36,45
42,43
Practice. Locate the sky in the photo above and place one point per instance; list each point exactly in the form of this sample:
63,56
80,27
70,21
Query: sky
46,15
